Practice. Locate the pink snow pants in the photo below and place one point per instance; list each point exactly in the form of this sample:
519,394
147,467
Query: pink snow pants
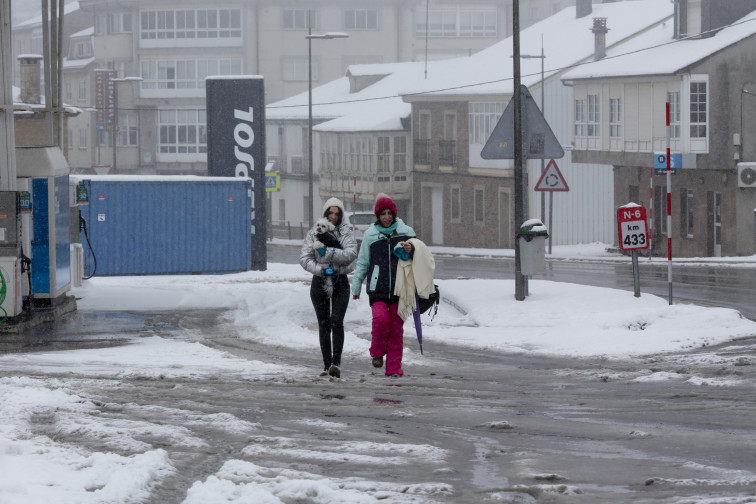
388,336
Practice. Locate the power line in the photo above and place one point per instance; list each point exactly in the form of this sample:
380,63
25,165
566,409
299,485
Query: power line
495,81
506,79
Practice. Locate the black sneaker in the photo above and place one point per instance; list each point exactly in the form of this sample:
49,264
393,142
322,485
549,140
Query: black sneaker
325,372
335,371
377,361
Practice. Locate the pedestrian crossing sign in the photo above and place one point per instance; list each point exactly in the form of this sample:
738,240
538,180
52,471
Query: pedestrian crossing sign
272,182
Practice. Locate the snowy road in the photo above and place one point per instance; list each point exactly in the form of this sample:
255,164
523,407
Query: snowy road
470,426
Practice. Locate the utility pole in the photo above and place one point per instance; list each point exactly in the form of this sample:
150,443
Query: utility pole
7,131
520,280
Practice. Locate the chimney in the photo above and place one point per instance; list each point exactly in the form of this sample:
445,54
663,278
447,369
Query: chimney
30,78
583,7
599,32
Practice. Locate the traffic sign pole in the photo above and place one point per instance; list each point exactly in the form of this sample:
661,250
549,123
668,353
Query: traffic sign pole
631,226
636,275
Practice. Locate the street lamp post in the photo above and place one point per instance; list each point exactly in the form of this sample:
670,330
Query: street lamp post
310,36
116,127
542,57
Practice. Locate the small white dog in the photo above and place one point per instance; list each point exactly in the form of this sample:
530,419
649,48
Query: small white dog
324,238
322,227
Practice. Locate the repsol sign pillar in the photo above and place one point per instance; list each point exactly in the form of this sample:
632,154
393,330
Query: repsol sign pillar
236,145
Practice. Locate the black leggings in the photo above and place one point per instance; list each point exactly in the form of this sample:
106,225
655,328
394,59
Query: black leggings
330,314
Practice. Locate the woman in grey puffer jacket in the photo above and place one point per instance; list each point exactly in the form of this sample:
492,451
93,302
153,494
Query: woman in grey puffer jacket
329,290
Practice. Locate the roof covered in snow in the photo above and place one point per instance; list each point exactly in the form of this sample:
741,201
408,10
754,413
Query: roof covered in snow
658,53
377,107
567,41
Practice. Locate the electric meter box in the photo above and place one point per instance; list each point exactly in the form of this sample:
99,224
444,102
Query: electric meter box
159,224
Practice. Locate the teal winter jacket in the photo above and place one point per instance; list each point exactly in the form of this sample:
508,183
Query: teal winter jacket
377,262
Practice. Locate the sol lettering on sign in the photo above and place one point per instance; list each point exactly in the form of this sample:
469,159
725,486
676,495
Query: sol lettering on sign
631,225
236,145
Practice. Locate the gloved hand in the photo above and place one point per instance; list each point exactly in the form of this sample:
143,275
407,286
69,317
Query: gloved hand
328,271
401,253
322,251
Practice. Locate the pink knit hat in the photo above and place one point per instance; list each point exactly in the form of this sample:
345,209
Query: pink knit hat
383,203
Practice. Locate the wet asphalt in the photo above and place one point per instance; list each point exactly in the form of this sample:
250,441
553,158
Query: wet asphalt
513,428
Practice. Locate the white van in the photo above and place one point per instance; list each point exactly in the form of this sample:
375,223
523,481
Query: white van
359,222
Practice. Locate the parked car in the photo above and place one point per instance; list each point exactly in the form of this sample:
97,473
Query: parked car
359,222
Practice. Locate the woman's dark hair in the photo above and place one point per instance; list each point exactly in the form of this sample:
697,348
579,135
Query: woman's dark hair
340,214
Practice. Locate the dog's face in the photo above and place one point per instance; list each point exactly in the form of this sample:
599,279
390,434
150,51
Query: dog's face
323,225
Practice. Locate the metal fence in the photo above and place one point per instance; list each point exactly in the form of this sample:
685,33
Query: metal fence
287,230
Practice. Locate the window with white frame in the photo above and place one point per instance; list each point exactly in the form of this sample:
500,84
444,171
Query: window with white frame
295,68
185,74
119,22
580,118
615,117
361,19
477,23
593,124
79,50
99,24
68,91
456,203
400,153
483,117
674,114
479,205
182,131
698,109
460,22
128,129
82,90
190,24
384,153
300,19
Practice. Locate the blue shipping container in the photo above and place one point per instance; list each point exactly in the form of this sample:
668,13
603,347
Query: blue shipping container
154,225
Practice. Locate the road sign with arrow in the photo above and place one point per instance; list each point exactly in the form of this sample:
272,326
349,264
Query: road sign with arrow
551,179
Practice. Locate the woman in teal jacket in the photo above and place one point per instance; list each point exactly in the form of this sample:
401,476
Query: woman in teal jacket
384,242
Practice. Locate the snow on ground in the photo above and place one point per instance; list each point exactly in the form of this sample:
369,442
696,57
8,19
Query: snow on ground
555,319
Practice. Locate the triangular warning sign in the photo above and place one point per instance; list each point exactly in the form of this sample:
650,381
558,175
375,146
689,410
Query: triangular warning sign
538,139
551,179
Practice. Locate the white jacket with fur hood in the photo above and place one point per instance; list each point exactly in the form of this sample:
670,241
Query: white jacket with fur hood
342,260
